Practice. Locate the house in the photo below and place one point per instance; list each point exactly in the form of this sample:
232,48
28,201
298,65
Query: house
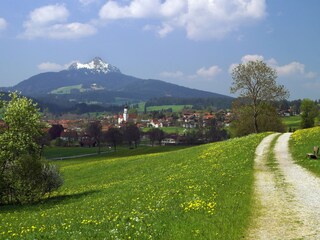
168,141
155,123
69,135
86,140
190,120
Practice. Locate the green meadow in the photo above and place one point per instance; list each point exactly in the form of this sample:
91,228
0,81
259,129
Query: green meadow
168,130
202,192
59,152
175,108
68,89
292,122
302,142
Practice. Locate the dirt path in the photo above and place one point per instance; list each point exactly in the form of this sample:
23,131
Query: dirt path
287,197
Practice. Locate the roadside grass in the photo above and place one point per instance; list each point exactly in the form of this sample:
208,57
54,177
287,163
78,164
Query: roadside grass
302,142
203,192
292,122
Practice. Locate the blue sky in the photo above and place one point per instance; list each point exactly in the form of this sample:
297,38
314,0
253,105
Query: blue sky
193,43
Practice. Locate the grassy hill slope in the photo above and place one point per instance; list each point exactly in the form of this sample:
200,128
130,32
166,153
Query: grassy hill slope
302,142
202,192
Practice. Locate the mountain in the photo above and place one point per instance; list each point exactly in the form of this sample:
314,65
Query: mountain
97,65
102,83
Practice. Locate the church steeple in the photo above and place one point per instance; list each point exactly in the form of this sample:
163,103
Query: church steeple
125,113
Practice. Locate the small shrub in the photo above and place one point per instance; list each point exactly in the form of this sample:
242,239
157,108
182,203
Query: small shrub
52,179
27,180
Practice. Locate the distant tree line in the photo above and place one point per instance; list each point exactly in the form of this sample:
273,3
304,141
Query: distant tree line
76,108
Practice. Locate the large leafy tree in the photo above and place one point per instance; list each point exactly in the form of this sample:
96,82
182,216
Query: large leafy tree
309,111
114,136
156,134
94,129
268,120
23,128
24,177
55,131
256,82
132,134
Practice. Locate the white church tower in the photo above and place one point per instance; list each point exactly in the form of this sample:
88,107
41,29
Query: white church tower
125,113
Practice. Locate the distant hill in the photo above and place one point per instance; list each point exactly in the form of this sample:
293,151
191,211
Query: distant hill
102,83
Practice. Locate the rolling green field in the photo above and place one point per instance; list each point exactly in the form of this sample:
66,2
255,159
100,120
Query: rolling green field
302,142
175,108
56,152
202,192
169,130
122,151
292,122
67,90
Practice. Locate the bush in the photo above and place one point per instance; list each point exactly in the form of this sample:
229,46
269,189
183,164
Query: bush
24,177
27,180
52,179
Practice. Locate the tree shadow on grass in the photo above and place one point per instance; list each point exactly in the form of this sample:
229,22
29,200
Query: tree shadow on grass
46,203
61,198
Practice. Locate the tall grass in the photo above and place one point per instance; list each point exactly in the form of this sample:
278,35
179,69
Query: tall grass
202,192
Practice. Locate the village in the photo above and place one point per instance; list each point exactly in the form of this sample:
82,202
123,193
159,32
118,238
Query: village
175,127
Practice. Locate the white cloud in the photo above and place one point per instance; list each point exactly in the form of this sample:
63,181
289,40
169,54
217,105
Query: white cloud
202,19
311,75
165,30
49,66
215,19
245,59
248,58
201,74
54,67
136,9
291,69
48,14
210,72
3,24
176,74
51,22
173,8
87,2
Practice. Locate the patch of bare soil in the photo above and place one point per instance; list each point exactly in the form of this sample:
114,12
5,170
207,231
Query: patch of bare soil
287,198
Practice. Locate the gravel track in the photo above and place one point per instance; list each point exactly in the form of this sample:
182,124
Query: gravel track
287,198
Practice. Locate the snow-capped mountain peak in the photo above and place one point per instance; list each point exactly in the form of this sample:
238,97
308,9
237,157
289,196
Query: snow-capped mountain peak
95,65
